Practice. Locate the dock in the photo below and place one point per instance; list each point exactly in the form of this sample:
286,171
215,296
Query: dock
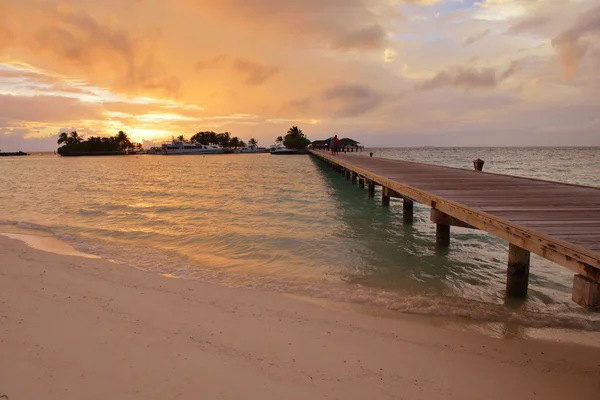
557,221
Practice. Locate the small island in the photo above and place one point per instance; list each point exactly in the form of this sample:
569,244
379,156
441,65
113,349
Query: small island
74,145
294,142
13,154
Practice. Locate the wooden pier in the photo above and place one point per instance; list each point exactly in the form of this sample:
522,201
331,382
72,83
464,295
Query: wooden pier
558,221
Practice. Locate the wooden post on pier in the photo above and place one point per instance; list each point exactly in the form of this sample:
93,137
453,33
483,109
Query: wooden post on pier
354,178
385,199
407,211
348,173
517,273
442,235
361,183
442,227
586,292
371,189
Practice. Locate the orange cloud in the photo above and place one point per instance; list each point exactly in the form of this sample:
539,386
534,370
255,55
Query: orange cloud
79,43
340,24
570,45
469,77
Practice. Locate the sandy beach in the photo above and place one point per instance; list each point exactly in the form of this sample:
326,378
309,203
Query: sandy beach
81,328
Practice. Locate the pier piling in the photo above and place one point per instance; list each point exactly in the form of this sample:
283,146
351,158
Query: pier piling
354,178
517,273
385,199
371,189
407,211
361,183
442,227
442,235
348,173
586,292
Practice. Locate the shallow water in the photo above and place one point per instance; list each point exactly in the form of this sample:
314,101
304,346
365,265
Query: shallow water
289,224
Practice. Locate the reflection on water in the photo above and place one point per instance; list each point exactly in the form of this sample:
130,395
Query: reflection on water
286,224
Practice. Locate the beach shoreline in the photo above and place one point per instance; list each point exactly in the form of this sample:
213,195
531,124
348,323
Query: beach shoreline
75,327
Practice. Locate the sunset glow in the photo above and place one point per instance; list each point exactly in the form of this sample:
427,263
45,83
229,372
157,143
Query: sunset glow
395,73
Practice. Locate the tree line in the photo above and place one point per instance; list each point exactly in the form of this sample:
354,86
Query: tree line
223,139
72,142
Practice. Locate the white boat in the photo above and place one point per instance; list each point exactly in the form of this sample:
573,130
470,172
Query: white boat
179,147
279,149
252,149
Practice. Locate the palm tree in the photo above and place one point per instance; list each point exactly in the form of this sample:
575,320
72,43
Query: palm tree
295,139
63,138
279,139
123,141
181,138
252,143
294,131
75,138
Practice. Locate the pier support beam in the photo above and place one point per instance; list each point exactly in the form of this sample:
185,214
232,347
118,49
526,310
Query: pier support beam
348,173
361,183
442,227
586,292
354,178
442,235
385,199
407,211
371,189
517,274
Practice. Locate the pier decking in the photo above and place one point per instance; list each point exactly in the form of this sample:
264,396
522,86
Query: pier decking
558,221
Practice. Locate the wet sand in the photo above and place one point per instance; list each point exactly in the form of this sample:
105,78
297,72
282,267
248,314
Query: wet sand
82,328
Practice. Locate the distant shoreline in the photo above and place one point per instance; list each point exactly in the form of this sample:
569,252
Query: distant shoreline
97,153
13,154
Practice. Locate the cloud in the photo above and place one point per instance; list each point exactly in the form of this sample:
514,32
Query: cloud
528,23
342,25
570,44
45,108
472,39
213,62
256,67
38,81
352,99
78,41
373,37
512,68
468,77
255,73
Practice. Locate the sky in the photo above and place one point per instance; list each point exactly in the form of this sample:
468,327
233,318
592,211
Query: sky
385,72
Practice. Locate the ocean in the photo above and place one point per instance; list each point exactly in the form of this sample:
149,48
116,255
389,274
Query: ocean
291,225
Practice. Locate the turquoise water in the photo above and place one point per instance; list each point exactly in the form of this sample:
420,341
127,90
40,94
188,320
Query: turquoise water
291,225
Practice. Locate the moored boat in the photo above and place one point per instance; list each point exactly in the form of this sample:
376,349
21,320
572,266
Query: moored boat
180,147
279,149
251,149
